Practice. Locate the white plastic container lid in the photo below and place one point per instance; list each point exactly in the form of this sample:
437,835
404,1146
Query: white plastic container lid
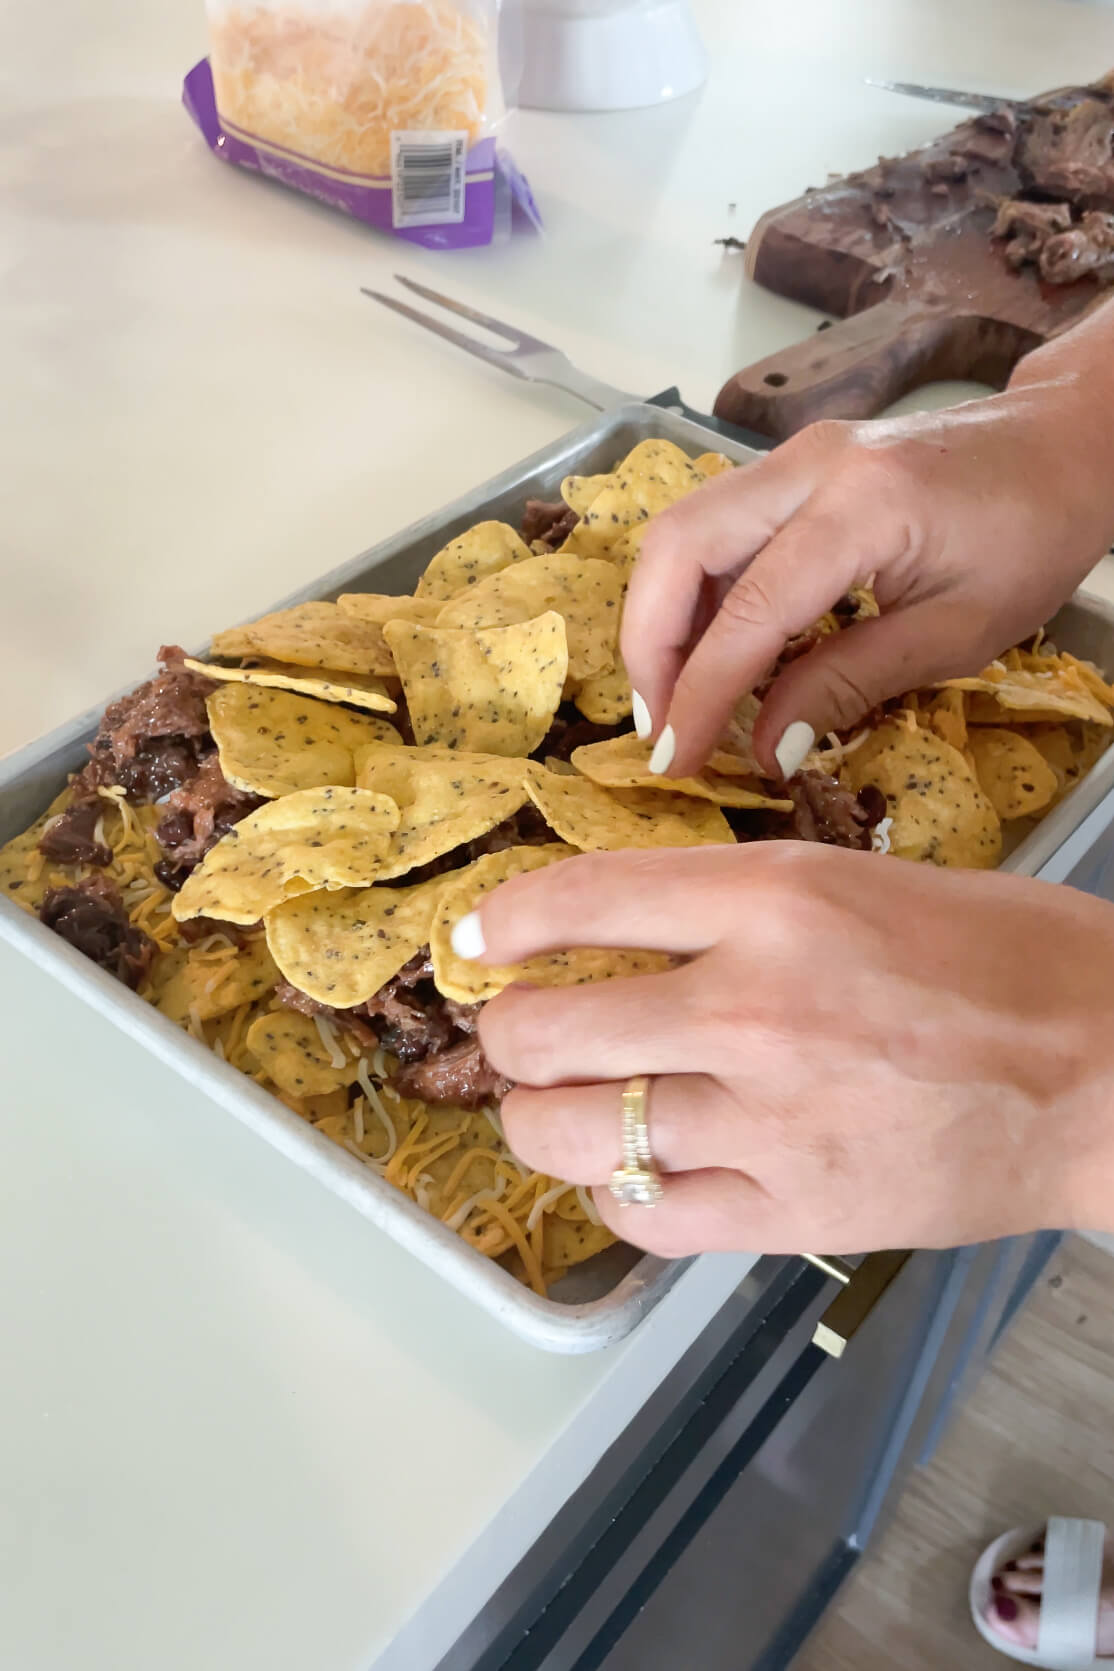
606,54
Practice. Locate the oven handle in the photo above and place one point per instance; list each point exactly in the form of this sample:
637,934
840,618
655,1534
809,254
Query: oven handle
862,1288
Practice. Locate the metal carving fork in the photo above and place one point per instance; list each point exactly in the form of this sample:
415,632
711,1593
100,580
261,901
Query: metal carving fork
535,361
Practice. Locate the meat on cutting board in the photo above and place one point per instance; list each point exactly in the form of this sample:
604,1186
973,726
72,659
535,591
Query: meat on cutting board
951,262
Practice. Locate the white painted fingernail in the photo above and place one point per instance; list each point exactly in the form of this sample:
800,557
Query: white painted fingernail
796,740
468,937
643,724
664,750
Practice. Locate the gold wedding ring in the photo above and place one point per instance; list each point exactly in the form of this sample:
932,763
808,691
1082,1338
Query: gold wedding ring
637,1183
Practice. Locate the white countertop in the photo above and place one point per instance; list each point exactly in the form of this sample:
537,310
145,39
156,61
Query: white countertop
238,1428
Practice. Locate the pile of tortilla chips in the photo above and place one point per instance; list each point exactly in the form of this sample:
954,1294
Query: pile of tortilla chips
361,855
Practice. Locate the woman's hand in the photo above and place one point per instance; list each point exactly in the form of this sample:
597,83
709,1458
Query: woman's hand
859,1053
976,523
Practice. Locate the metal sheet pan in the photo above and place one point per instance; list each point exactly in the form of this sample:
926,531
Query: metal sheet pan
604,1300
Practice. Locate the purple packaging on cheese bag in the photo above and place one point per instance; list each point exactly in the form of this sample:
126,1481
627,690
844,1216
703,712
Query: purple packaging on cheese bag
386,109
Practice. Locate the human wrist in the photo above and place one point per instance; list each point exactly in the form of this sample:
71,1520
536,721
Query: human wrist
1066,388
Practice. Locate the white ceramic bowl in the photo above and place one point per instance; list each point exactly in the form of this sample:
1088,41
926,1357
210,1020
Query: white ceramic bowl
607,54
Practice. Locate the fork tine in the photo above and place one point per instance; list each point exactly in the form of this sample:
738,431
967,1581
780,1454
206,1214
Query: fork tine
500,357
484,320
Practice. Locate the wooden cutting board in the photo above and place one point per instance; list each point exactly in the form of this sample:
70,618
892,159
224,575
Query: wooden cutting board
901,253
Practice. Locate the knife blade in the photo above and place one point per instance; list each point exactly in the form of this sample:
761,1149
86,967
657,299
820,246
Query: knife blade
984,102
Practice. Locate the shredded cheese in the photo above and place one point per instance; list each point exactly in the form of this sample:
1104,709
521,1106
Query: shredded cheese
333,87
457,1218
549,1199
327,1033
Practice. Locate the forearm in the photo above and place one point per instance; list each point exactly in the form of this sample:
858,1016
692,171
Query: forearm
1070,382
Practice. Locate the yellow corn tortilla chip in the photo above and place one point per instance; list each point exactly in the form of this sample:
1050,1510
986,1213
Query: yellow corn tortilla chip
713,464
359,690
651,478
340,946
445,797
273,742
947,716
624,763
1057,746
1057,692
316,838
1012,772
1070,750
591,818
290,1050
568,1242
470,558
605,699
585,592
188,980
311,635
579,492
472,983
491,691
378,608
939,814
734,754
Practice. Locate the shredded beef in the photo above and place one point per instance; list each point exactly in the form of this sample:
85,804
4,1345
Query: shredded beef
91,918
547,523
352,1021
1069,153
524,828
72,839
200,812
151,742
1087,250
1061,248
570,730
822,811
461,1074
433,1038
200,928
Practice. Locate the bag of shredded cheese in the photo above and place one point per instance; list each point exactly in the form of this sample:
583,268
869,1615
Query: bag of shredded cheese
387,109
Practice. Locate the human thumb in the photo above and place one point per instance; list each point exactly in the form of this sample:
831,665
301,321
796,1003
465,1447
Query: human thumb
849,673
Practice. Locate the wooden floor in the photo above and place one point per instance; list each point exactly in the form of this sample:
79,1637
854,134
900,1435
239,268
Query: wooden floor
1036,1437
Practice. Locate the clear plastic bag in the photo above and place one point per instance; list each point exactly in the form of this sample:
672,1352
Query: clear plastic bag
388,109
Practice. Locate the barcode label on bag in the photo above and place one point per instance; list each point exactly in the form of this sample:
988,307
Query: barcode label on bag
427,178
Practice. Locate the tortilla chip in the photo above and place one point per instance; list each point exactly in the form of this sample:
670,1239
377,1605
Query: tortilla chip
206,986
939,814
359,690
605,699
472,983
445,798
470,558
273,742
377,608
651,478
568,1242
734,754
580,492
623,763
947,716
1012,773
290,1050
595,819
1057,691
310,635
340,946
316,838
493,691
713,464
585,592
